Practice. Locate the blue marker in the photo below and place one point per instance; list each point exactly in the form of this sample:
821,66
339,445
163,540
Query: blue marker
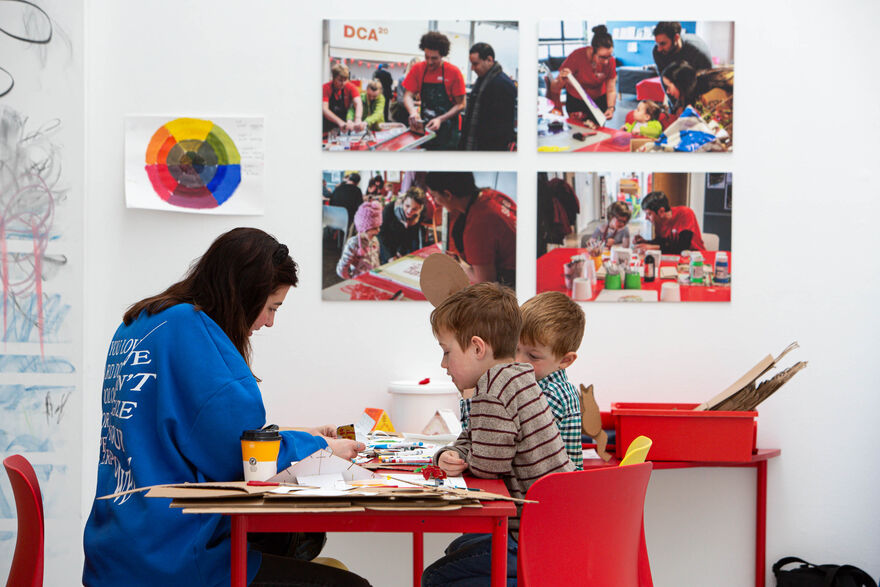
406,445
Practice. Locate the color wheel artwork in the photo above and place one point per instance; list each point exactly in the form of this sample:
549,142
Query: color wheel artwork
193,163
196,165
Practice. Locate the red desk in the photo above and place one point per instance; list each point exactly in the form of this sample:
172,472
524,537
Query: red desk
489,519
759,463
550,277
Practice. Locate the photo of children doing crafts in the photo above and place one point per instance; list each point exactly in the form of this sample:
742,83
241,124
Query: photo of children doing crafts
635,236
647,86
378,232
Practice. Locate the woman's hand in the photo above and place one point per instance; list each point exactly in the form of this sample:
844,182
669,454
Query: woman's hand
327,430
564,73
609,112
344,448
450,462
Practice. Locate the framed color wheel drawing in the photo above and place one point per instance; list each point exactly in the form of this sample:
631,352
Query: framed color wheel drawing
210,166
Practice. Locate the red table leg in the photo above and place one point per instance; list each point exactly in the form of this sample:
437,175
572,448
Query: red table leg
761,524
499,553
239,551
418,557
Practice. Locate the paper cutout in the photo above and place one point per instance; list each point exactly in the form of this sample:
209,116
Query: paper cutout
591,422
347,431
381,420
441,277
443,422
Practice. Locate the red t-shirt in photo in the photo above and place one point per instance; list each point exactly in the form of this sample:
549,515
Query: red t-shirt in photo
448,73
580,62
490,231
348,92
683,218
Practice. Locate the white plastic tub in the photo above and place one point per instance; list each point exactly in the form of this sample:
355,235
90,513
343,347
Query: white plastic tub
413,405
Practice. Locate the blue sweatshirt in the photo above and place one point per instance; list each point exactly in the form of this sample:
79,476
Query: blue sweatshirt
176,397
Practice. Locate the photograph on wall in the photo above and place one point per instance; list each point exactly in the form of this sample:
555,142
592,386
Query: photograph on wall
379,226
433,85
635,236
197,165
635,86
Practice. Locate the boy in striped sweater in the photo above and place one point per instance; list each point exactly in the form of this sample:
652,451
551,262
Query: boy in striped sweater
552,330
512,433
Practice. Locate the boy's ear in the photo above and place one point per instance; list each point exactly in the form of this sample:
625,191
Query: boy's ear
567,359
480,347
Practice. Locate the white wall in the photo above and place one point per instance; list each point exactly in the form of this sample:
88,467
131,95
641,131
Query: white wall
794,170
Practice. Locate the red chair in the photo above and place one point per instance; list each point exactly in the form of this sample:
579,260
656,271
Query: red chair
586,529
27,562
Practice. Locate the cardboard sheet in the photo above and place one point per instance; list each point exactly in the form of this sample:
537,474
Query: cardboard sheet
746,383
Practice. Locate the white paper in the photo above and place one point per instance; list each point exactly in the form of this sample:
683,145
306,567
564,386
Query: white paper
590,453
328,481
215,187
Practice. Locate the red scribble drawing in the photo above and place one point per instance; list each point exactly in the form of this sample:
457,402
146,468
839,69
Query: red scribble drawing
29,191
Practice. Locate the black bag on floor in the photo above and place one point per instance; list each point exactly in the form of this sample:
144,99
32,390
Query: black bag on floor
810,575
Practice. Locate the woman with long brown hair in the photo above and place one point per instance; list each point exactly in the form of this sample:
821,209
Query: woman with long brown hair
178,392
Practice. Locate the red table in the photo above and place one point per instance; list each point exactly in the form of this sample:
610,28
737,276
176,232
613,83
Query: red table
489,519
373,286
406,141
758,462
550,277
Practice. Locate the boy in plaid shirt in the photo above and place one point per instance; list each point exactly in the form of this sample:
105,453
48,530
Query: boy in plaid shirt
552,330
553,326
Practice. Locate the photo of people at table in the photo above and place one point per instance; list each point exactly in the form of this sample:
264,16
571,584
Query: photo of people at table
645,86
380,225
635,236
434,85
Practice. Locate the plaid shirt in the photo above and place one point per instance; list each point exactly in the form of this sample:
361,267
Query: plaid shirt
565,404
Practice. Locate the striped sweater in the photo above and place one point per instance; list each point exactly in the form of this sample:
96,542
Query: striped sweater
512,433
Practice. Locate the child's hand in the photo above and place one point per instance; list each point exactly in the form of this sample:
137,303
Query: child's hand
450,462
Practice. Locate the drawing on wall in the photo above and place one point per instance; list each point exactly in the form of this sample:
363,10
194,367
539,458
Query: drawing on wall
41,167
194,165
635,236
379,226
29,193
26,22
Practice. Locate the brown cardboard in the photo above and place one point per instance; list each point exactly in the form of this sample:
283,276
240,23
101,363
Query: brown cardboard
636,144
441,276
746,383
591,422
231,488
